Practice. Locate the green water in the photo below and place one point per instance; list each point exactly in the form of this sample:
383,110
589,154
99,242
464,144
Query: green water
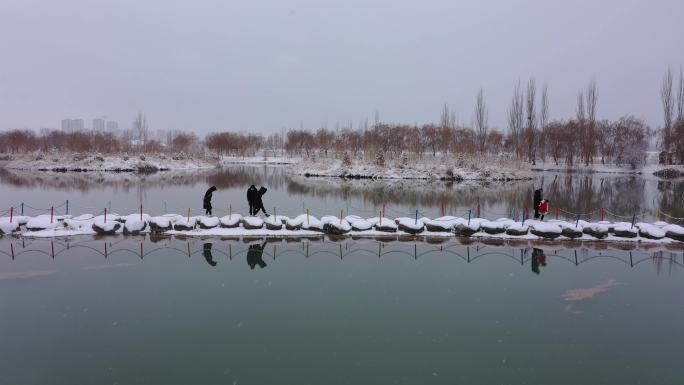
321,312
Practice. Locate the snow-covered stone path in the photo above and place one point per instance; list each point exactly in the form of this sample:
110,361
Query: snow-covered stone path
305,225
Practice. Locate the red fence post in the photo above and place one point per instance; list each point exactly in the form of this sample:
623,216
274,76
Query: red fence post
478,210
603,214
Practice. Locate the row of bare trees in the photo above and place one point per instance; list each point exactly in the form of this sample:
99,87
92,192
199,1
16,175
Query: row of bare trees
26,141
672,133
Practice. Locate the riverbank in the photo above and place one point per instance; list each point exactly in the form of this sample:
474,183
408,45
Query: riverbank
108,163
426,168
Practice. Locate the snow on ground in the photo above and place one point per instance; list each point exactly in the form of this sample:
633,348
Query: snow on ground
117,162
264,159
433,168
356,226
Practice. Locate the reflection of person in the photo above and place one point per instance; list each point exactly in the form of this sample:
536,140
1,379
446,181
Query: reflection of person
543,209
207,200
254,198
254,255
538,258
207,254
537,201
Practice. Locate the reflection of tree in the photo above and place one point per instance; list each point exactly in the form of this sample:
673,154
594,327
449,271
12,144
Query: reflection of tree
206,251
671,198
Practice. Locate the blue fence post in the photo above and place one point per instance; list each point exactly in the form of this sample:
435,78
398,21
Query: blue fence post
633,220
469,211
577,223
523,217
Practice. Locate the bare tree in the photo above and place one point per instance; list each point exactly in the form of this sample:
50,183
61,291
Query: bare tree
515,118
481,120
543,120
445,117
680,97
589,134
667,101
531,109
579,113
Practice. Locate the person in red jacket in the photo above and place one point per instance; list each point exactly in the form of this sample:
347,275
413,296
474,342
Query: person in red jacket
543,209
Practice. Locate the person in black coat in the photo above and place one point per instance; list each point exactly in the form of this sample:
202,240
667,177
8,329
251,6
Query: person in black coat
207,200
252,194
254,200
537,201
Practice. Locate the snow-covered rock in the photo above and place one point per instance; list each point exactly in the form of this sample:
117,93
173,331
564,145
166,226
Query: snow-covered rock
161,223
7,227
311,223
295,223
335,226
466,228
208,222
105,228
252,223
384,224
42,222
675,232
357,223
273,223
660,224
595,230
649,231
545,230
496,227
518,229
185,224
134,225
410,225
79,223
441,224
568,230
625,230
230,221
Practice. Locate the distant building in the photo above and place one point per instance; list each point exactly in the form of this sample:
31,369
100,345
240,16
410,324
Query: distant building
77,125
98,125
66,126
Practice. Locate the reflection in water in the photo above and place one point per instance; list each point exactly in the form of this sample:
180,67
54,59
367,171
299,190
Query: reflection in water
538,258
207,254
521,254
577,193
255,254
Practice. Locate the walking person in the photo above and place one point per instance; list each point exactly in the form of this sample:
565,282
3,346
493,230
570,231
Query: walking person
259,204
252,194
543,209
537,201
207,200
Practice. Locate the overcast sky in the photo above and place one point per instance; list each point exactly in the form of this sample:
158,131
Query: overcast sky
262,65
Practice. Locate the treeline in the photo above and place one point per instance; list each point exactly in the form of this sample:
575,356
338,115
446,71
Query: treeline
25,141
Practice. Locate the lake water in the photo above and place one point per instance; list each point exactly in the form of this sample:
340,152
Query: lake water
141,310
132,311
622,196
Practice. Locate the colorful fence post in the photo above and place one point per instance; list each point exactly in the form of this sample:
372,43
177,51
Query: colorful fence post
469,212
577,222
478,210
230,211
188,214
307,216
52,213
657,214
105,215
22,208
416,222
67,207
11,213
633,220
341,213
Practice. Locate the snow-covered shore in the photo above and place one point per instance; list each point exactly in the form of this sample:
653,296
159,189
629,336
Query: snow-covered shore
304,226
427,168
116,162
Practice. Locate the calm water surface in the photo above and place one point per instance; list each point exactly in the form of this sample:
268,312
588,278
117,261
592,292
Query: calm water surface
173,311
208,311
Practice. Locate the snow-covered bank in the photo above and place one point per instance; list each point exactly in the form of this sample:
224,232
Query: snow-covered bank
428,168
274,160
306,225
117,162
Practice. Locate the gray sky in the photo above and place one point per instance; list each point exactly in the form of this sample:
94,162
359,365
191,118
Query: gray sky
261,65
